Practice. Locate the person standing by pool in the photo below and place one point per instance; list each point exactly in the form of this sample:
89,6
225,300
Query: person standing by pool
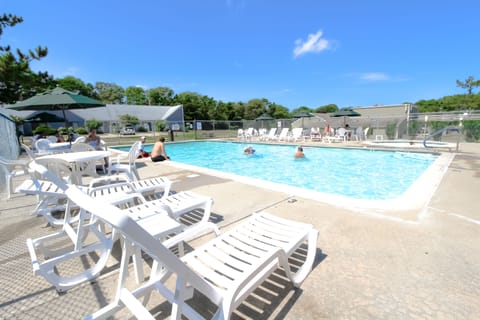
328,130
299,154
158,152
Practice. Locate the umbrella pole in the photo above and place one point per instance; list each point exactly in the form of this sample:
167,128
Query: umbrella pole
65,118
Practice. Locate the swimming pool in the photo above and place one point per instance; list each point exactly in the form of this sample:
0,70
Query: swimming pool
360,174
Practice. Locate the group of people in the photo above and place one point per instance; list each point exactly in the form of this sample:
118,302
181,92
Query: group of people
298,153
158,151
329,131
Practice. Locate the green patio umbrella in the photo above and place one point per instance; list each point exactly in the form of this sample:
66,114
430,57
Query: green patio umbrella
57,99
264,117
44,117
345,113
302,114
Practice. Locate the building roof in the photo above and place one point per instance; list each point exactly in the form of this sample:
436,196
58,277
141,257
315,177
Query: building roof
111,112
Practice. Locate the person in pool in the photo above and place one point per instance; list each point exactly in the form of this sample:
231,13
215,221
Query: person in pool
249,150
299,153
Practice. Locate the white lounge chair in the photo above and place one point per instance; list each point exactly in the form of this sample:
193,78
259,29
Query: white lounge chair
271,134
226,270
283,136
129,168
155,218
297,134
150,188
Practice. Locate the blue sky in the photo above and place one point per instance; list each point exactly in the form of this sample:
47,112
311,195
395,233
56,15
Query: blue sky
294,53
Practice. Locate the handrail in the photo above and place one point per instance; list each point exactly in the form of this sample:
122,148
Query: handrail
446,129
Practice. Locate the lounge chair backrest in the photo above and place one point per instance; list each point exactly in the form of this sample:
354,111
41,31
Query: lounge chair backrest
133,153
365,133
58,167
297,132
271,133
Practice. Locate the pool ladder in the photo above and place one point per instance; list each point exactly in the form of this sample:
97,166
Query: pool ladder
441,131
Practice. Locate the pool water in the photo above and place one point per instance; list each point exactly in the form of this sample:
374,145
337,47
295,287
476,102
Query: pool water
354,173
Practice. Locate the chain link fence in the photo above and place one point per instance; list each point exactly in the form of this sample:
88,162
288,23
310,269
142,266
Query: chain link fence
413,126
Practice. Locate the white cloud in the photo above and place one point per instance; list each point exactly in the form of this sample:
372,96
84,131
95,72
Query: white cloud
314,43
374,76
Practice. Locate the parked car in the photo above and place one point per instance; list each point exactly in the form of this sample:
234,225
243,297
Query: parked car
127,130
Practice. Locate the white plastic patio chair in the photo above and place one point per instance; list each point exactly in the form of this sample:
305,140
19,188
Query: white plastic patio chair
42,146
226,269
13,169
129,168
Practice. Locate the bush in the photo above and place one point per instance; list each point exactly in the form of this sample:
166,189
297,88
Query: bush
44,130
390,130
142,129
81,130
471,130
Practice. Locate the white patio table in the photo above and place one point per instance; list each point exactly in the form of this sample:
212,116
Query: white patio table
82,163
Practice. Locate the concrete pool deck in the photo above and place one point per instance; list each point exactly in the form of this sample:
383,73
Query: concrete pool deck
396,264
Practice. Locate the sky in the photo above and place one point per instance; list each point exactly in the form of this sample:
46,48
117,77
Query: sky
293,53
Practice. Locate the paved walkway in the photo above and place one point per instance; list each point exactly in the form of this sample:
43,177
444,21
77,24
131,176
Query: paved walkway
367,267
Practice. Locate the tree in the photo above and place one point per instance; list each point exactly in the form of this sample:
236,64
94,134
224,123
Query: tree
160,96
17,80
110,92
468,84
93,124
278,111
129,119
136,96
327,108
255,108
75,84
302,109
192,103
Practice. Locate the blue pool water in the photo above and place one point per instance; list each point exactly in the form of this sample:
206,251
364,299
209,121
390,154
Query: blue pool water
354,173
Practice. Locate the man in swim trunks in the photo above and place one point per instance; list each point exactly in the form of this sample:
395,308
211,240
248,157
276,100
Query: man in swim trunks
158,152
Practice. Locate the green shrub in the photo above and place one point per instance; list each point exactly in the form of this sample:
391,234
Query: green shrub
142,129
81,130
471,130
390,130
93,124
44,130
